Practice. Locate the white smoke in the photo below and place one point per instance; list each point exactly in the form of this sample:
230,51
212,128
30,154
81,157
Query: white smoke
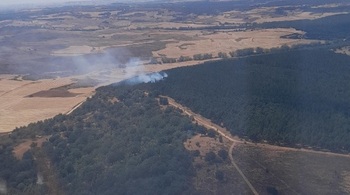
40,179
147,78
3,187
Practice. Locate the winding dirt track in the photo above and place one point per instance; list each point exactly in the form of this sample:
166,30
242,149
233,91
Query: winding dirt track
225,133
75,107
208,124
240,171
236,140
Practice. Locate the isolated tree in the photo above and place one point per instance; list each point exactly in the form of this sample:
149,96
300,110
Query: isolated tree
197,57
259,50
272,190
232,54
219,175
168,60
211,133
163,101
210,157
223,154
222,55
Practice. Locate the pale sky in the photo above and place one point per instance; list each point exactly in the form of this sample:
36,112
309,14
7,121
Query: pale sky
25,3
32,2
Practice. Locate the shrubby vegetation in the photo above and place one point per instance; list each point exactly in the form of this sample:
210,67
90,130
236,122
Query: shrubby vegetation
202,56
19,175
126,147
129,146
289,98
168,60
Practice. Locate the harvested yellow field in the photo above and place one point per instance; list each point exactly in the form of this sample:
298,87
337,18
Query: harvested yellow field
267,14
227,41
297,16
18,109
164,25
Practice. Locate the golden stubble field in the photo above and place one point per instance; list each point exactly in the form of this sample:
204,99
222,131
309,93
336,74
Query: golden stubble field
17,109
228,41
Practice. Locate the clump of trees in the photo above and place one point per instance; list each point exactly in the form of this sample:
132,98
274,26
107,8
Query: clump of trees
202,56
223,154
219,175
18,175
184,59
222,55
234,54
168,60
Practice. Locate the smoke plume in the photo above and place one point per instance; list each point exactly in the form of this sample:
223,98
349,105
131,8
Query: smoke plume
3,187
147,78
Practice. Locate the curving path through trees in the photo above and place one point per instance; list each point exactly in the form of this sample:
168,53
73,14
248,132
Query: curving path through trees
236,140
208,124
224,132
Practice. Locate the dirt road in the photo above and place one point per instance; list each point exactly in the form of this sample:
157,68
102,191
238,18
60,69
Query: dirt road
236,140
208,124
240,171
225,133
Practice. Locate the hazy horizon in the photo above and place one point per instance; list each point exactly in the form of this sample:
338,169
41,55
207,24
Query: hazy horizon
24,3
32,3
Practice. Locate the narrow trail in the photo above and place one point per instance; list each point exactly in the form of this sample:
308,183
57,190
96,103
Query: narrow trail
236,140
208,124
224,132
48,173
240,171
75,107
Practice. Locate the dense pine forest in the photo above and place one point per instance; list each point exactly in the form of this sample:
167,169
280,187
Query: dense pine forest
294,98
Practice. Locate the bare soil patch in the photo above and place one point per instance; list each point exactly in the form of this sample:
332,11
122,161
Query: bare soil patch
343,50
345,183
20,149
